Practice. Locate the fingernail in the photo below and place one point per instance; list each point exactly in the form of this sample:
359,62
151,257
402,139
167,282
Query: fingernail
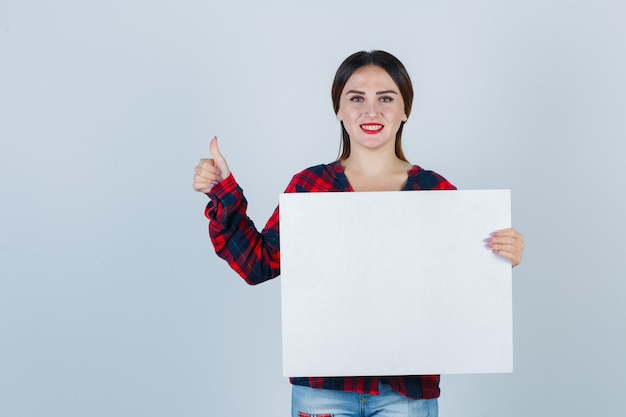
213,182
495,251
493,234
489,245
489,239
218,173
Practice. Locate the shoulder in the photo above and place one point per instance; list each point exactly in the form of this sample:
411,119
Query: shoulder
423,179
317,170
318,178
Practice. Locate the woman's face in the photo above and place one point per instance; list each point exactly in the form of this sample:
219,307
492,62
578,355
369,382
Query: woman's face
371,108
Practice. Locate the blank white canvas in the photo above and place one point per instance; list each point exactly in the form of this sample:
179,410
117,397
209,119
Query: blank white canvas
394,283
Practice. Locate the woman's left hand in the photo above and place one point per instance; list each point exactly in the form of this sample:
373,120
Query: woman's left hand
508,243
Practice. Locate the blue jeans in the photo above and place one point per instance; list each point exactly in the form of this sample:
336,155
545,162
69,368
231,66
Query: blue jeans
316,402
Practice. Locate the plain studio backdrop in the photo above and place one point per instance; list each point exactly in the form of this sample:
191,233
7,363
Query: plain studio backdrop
112,301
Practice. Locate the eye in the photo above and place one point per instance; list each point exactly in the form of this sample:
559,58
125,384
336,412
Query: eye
356,99
385,99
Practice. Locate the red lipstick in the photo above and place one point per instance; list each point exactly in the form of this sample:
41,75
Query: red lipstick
372,128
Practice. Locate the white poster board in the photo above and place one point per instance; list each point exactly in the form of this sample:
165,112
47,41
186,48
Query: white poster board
394,283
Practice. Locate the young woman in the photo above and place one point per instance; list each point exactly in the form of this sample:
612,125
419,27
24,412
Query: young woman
372,96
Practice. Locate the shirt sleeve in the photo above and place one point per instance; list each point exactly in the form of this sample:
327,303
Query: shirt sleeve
254,255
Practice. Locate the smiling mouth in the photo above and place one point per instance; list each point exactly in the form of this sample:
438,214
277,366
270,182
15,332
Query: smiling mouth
371,128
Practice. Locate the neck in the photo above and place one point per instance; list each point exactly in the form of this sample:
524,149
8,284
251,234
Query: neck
373,162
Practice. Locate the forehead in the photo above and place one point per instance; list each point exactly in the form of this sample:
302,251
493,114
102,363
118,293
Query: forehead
370,76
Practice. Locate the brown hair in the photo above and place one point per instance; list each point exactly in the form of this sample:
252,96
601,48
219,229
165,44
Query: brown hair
398,74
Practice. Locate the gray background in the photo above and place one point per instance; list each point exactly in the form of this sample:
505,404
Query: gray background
111,299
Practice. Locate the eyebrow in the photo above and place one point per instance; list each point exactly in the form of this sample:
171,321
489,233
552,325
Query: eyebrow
377,93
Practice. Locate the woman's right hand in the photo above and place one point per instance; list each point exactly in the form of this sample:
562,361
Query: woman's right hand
209,172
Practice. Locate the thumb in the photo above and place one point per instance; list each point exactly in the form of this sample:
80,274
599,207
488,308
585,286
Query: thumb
220,162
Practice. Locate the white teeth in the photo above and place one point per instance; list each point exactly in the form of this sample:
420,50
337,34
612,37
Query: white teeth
372,127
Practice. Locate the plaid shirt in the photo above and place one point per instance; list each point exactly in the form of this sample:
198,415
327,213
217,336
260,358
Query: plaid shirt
256,256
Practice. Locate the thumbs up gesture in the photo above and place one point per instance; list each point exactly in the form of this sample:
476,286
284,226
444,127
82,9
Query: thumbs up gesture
209,172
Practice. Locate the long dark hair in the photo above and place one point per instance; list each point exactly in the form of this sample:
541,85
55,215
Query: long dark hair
398,74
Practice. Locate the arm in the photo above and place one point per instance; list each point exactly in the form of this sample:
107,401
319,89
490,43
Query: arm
254,256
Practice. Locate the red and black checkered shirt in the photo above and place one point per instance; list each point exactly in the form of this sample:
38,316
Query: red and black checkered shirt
256,256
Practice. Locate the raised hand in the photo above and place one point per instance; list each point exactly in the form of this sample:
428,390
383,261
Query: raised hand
210,171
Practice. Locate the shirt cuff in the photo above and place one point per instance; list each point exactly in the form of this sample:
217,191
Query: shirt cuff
219,196
223,188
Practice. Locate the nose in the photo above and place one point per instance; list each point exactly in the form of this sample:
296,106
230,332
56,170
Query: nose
372,109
